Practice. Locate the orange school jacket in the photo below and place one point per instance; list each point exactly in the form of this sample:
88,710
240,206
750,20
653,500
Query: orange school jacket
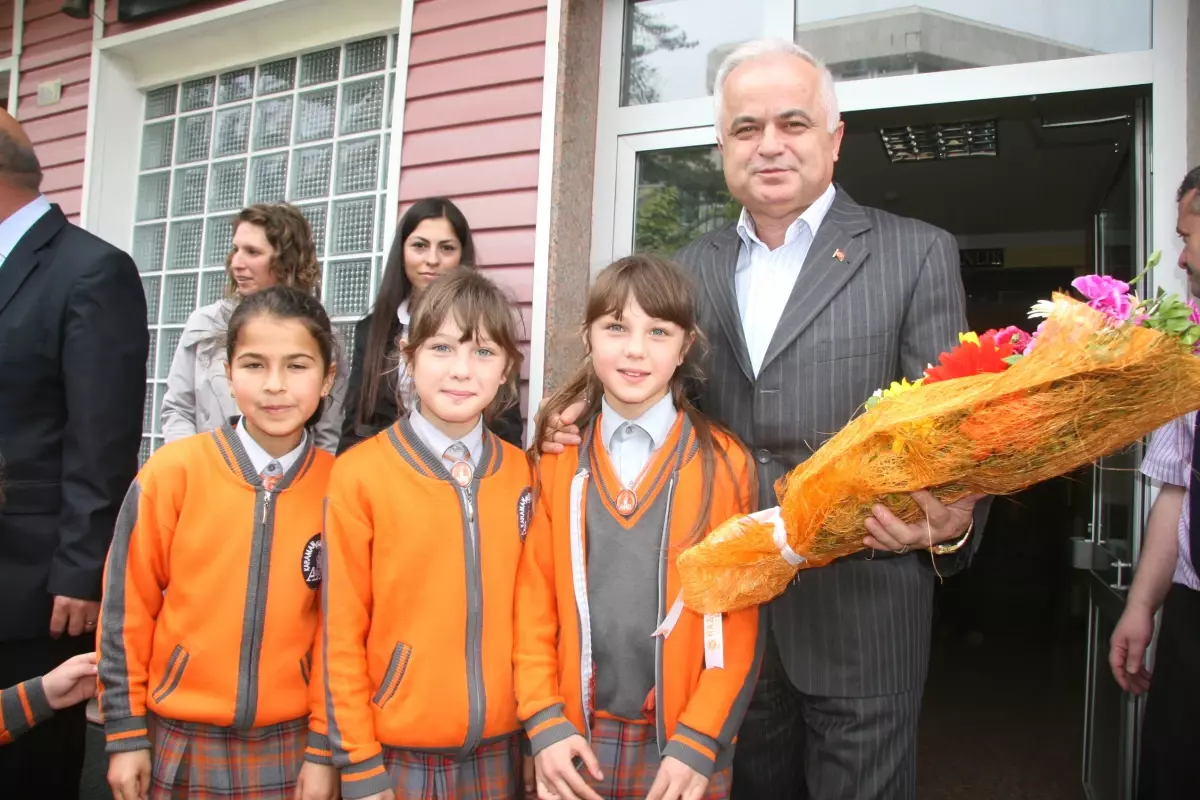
697,710
418,595
210,607
22,707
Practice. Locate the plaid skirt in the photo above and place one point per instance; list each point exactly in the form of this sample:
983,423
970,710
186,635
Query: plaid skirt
629,760
193,761
492,773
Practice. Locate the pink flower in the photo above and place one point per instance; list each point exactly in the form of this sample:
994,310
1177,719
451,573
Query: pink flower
1033,339
1195,318
1020,339
1096,287
1106,294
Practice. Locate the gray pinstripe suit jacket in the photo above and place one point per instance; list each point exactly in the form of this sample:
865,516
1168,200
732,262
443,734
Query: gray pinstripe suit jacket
859,627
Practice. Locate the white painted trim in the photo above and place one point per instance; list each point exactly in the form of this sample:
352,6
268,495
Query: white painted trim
99,9
90,149
248,32
1168,144
1010,80
188,22
399,100
111,159
1041,77
608,98
545,205
213,41
623,190
111,168
18,47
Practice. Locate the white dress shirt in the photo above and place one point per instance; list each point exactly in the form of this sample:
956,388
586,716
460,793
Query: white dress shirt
13,229
404,382
438,442
764,277
632,443
261,459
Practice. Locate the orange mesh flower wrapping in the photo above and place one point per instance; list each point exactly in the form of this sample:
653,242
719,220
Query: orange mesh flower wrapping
1087,389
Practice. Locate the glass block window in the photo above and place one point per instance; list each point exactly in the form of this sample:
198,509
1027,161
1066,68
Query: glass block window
311,130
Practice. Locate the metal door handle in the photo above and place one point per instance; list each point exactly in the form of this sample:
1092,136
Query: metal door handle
1120,566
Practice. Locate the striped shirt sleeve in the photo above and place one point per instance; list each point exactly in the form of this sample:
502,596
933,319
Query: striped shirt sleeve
1168,459
22,707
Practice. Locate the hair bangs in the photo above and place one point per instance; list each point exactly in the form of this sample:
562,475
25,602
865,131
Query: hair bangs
659,286
481,311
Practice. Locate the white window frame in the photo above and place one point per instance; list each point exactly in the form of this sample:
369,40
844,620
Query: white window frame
624,132
250,32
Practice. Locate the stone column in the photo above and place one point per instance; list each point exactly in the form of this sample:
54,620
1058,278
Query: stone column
574,176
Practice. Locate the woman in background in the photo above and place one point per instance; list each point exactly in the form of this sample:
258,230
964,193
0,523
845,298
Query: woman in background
433,237
272,245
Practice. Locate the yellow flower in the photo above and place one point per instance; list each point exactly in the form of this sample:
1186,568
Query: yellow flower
900,387
969,336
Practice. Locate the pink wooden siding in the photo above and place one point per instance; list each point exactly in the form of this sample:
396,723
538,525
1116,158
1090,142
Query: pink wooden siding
57,47
472,127
6,28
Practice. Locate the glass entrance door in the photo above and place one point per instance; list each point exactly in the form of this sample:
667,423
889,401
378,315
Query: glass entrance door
1118,508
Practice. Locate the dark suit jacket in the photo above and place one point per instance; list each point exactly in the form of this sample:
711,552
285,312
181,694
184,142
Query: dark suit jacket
859,627
73,342
507,425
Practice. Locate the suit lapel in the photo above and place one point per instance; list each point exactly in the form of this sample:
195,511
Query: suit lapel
718,281
25,256
824,273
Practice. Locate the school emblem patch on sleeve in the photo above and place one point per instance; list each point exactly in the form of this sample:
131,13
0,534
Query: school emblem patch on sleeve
524,511
310,562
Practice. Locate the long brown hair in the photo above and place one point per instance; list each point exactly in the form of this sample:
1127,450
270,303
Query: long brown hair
395,288
664,291
290,236
481,310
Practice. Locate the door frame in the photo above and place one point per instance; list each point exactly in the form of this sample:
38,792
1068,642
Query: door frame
1106,597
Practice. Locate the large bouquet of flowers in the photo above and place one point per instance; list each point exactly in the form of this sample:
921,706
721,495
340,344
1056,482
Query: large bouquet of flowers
1000,412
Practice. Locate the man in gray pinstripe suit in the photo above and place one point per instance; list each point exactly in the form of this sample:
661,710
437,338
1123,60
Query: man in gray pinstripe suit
810,302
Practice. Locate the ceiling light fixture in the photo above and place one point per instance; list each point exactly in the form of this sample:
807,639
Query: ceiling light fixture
940,141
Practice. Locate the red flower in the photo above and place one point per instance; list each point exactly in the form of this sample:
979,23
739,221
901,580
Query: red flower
973,356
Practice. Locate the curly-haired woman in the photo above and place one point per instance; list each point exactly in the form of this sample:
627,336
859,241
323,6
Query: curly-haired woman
272,245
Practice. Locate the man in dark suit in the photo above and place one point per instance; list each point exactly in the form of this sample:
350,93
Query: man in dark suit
810,303
73,344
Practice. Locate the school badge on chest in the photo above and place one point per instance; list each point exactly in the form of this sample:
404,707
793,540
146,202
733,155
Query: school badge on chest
310,562
626,502
524,511
462,473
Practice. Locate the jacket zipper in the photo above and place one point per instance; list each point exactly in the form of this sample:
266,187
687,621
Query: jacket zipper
251,709
475,691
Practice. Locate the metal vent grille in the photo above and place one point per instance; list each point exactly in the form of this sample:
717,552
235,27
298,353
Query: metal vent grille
941,141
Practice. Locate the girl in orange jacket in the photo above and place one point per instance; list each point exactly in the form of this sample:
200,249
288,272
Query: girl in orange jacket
610,667
423,538
210,608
